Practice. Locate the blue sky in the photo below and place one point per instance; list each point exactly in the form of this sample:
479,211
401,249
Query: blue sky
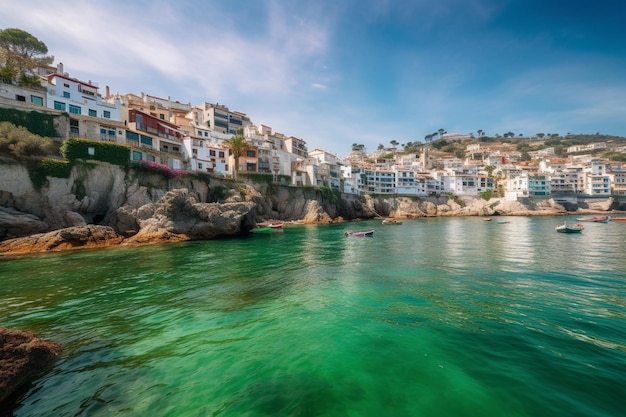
338,72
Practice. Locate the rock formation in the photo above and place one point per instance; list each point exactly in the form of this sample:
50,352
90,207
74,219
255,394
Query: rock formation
23,357
178,216
102,204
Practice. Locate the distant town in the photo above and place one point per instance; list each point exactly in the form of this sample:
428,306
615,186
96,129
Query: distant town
194,138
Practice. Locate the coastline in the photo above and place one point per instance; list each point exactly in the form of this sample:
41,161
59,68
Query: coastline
96,237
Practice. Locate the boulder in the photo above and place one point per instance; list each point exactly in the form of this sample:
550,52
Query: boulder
14,223
316,214
23,357
90,236
180,213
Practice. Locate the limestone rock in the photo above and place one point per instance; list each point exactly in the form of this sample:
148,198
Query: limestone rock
74,219
316,214
14,223
90,236
23,357
179,212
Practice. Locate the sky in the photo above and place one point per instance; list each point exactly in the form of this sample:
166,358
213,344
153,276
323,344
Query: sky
342,72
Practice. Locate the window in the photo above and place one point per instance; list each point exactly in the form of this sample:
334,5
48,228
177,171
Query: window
199,165
59,106
66,94
74,127
20,98
106,114
162,116
132,136
66,85
194,151
211,152
221,154
75,109
36,100
93,113
146,140
250,154
136,156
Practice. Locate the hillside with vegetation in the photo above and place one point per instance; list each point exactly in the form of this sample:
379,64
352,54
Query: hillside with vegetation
443,146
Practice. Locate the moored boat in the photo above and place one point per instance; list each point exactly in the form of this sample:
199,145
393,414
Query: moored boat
350,233
268,228
618,219
595,219
569,228
392,221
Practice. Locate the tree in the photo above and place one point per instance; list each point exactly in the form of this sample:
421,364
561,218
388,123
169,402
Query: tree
441,132
21,52
393,143
540,135
238,145
428,138
480,132
380,147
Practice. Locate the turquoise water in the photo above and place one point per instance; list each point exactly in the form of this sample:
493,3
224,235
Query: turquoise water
435,317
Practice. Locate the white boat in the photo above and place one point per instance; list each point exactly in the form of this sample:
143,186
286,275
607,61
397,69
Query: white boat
392,221
569,228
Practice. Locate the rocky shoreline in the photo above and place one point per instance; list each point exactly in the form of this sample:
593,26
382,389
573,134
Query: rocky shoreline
178,217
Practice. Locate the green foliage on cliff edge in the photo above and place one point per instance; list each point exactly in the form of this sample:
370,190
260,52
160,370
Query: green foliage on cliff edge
326,193
18,143
73,149
39,171
38,123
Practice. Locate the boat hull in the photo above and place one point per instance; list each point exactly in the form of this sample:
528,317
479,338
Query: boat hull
566,228
369,233
268,229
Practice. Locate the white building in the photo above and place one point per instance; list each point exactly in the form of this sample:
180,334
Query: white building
79,98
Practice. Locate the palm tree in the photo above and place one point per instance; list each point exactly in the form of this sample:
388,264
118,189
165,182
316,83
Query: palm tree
238,145
480,132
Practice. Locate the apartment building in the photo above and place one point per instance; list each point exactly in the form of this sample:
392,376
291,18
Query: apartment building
219,118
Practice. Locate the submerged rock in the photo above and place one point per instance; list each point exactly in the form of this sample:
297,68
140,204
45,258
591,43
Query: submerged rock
23,357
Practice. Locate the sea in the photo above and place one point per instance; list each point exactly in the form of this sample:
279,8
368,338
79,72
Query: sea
434,317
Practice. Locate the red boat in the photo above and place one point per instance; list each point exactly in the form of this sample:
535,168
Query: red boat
350,233
618,219
596,219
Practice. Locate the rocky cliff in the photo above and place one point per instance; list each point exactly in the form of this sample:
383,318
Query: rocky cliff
101,204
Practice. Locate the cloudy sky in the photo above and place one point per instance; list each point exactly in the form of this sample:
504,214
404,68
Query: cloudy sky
338,72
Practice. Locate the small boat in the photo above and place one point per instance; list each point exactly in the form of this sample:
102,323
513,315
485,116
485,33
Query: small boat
618,219
268,228
392,221
502,221
568,228
488,219
350,233
596,219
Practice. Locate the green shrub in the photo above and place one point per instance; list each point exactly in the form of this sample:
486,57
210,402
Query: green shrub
73,149
38,171
21,144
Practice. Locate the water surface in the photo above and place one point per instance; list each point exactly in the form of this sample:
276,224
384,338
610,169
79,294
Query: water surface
434,317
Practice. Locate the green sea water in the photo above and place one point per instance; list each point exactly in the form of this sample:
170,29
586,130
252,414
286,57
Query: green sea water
434,317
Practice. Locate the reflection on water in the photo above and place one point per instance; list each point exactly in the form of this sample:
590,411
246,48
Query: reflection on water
439,317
